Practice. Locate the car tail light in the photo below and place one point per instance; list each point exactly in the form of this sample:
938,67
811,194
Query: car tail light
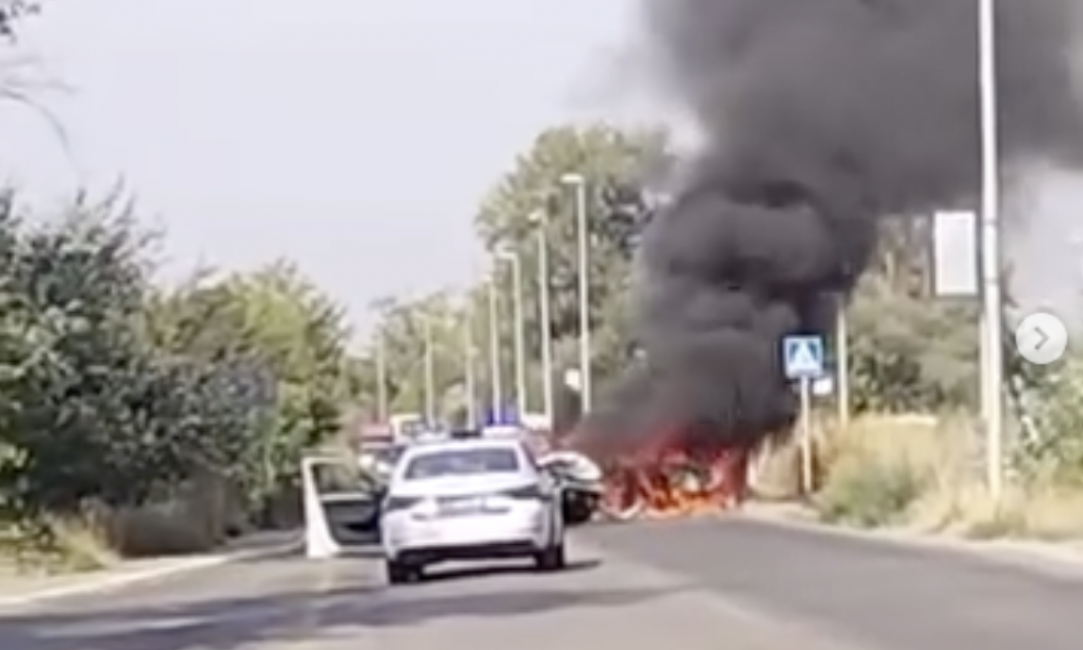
529,492
392,504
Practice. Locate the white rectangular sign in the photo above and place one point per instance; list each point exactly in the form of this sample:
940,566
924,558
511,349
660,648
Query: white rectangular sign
955,254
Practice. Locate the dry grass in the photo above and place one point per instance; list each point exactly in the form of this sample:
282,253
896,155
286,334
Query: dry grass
81,544
197,520
875,470
924,474
775,471
57,544
1042,512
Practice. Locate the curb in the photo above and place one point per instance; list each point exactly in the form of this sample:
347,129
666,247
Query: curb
108,582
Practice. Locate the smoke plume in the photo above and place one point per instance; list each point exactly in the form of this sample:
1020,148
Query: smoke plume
819,117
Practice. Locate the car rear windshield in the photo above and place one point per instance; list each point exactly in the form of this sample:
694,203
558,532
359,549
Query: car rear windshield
462,462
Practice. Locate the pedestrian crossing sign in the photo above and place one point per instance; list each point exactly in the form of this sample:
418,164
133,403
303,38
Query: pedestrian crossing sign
803,356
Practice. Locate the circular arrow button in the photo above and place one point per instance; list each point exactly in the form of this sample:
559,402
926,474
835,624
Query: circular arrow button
1041,338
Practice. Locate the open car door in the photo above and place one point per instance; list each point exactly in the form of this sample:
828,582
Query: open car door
341,506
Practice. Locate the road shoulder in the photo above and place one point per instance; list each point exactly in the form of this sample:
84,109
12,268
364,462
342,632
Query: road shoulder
16,592
1058,558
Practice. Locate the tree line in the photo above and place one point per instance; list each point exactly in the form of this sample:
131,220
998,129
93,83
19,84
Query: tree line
924,358
909,350
117,392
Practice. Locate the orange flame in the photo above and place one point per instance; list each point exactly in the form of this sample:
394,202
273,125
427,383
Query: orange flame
670,481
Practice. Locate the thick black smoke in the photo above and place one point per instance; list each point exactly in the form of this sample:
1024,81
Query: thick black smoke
820,117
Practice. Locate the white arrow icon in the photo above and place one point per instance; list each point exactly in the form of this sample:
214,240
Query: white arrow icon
1041,338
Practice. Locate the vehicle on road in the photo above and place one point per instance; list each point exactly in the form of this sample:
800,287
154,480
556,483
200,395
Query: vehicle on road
581,484
579,479
472,499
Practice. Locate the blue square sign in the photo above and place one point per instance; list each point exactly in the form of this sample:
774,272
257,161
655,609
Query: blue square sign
803,357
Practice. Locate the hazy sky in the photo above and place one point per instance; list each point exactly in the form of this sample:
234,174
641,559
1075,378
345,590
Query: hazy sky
354,136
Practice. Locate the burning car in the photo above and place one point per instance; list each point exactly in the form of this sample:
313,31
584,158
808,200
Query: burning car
581,480
672,475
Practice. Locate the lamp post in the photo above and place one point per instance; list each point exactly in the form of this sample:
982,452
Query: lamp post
381,378
512,258
540,219
469,376
842,361
430,376
992,316
494,350
579,183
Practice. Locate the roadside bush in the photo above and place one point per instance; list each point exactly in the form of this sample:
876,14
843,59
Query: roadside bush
160,530
868,492
1042,511
100,536
877,469
79,544
176,413
57,544
926,475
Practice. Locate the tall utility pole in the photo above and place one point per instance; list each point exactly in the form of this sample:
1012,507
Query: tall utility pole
519,318
494,350
470,378
381,379
522,401
842,361
579,182
430,376
992,316
541,222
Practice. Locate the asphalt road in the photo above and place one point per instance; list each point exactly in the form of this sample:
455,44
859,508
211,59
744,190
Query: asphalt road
692,585
290,603
877,595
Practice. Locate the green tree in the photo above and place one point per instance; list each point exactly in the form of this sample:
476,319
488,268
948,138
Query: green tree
402,330
76,285
616,166
118,393
912,354
910,350
299,337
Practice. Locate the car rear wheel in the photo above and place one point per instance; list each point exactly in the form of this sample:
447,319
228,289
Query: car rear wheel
551,559
399,573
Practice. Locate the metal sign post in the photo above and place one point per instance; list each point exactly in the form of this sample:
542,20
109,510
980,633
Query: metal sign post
806,435
803,359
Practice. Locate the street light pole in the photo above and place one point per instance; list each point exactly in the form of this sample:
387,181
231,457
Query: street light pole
842,362
470,378
494,349
381,378
430,376
521,401
579,182
516,262
992,317
541,222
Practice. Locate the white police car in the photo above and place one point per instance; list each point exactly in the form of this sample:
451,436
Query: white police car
470,499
